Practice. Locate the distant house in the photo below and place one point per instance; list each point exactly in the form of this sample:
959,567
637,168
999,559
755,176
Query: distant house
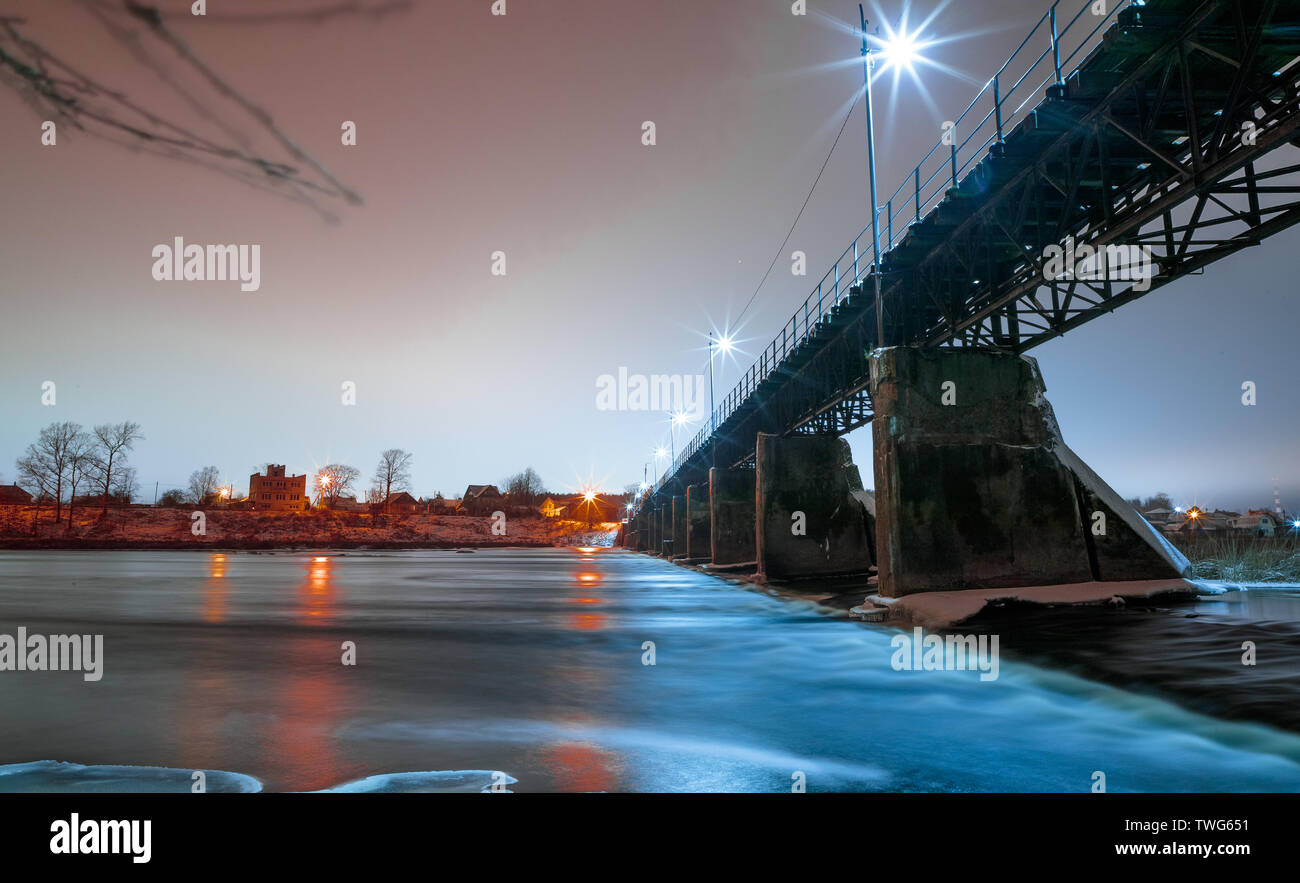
276,491
1256,522
1160,516
481,499
347,504
13,495
551,509
401,502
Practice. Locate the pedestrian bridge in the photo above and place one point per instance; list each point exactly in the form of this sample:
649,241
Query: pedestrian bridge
1158,137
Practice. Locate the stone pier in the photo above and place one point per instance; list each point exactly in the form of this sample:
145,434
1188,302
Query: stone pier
731,516
679,523
656,536
810,519
976,489
698,542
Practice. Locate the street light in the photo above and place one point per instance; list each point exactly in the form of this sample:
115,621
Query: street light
900,49
724,345
871,170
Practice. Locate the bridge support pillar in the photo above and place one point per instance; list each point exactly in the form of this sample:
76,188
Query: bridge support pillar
656,545
642,529
976,489
731,516
810,520
679,522
697,523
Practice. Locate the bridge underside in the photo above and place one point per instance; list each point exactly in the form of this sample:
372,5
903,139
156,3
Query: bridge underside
1170,146
1142,146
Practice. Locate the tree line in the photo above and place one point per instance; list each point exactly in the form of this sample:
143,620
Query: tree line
66,457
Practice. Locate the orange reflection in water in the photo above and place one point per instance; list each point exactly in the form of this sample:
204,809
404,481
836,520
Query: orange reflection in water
581,766
587,582
215,592
308,706
317,596
310,699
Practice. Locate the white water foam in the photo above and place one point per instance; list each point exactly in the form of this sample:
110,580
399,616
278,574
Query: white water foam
61,777
430,782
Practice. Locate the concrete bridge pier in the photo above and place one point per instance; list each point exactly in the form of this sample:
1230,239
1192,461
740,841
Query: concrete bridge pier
656,536
731,516
810,515
640,536
976,489
698,542
678,535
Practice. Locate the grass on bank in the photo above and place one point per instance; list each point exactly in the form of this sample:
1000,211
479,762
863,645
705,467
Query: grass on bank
1244,559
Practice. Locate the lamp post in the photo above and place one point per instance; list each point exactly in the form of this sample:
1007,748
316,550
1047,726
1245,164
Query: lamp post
871,168
713,422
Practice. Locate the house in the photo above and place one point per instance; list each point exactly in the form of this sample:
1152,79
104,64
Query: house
347,504
401,502
1256,522
551,509
13,495
481,499
278,492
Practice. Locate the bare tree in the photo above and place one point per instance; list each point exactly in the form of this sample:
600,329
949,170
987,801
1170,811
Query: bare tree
334,482
125,486
44,468
203,484
525,487
394,470
112,442
81,464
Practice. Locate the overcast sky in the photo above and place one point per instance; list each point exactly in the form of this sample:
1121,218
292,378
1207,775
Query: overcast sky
523,134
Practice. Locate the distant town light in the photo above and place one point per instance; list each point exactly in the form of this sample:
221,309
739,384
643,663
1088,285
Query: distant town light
661,452
680,418
589,496
725,344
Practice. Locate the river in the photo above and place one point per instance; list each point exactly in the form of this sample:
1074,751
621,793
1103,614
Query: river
527,669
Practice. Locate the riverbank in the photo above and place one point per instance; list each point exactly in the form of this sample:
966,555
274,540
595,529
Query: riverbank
157,529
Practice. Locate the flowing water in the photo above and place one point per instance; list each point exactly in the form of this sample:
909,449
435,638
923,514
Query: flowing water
527,669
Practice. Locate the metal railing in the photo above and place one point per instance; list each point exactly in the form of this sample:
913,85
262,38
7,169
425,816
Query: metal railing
938,173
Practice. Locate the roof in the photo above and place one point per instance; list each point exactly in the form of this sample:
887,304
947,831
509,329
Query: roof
13,492
481,490
400,497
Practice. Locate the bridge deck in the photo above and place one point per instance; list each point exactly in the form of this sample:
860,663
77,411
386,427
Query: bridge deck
1140,144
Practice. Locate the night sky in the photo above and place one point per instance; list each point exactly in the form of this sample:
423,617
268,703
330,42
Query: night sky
523,134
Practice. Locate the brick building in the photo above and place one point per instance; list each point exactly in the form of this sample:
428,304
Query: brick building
278,492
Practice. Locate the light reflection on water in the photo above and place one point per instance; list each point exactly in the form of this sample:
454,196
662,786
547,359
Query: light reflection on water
530,662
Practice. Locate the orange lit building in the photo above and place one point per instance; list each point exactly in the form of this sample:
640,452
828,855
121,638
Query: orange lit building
278,492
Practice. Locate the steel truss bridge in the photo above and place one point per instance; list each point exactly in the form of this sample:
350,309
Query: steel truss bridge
1141,127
